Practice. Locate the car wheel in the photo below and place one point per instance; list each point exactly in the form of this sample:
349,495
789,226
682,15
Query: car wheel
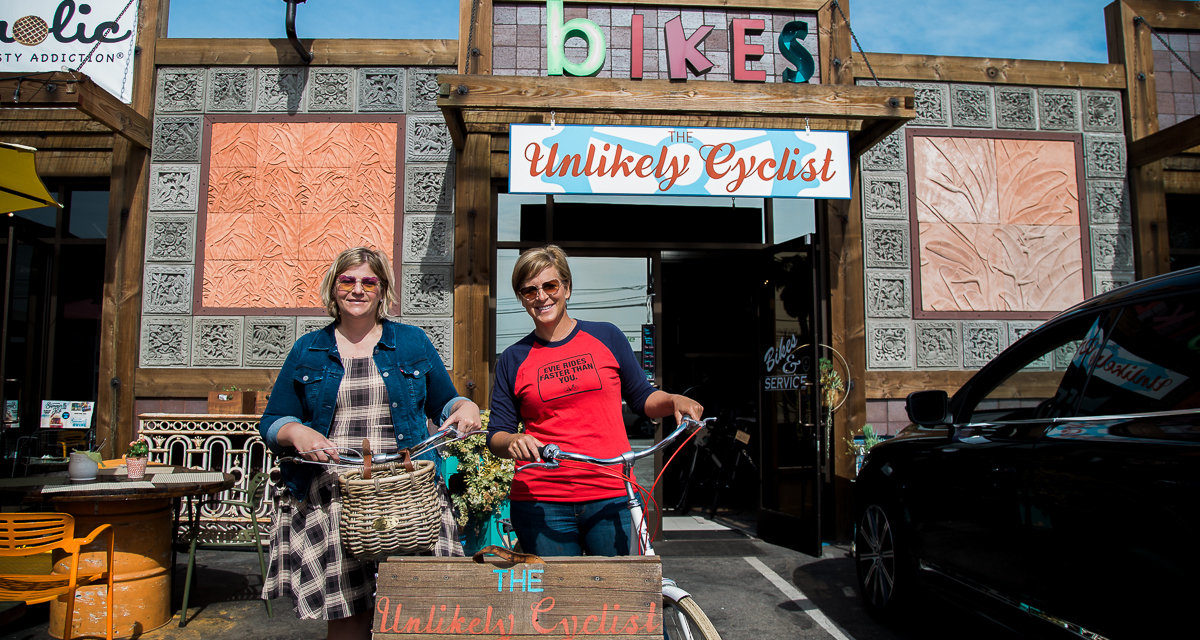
883,566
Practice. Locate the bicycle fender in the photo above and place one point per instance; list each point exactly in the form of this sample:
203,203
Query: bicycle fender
672,591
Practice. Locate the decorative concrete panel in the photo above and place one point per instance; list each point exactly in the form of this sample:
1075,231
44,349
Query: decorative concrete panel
1102,111
982,341
1104,155
938,344
1016,108
428,139
305,324
889,294
217,341
885,195
887,154
971,105
381,89
1016,330
422,91
428,238
1058,109
441,334
932,102
174,187
176,138
179,90
1108,202
330,89
1064,354
231,89
166,341
426,291
281,89
887,245
889,344
1112,249
171,238
268,340
428,187
167,288
1105,282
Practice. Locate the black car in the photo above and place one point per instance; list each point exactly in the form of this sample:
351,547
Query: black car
1063,479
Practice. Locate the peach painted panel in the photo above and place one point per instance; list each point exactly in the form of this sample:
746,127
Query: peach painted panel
998,225
285,199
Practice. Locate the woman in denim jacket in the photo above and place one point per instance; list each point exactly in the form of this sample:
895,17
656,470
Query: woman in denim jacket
361,376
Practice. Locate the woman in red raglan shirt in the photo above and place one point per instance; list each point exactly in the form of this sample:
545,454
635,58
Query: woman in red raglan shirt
565,381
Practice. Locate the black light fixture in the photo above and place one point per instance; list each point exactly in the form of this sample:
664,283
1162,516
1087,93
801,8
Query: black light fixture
290,23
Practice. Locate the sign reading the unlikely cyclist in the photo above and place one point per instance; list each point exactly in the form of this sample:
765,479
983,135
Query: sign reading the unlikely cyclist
95,37
763,163
572,597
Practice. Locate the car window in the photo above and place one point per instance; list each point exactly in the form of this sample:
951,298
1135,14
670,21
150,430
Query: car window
1149,362
1041,378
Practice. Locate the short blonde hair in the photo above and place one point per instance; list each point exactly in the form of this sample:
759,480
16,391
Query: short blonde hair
349,259
533,261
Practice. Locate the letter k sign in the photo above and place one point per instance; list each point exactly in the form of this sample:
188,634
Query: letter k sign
682,51
556,39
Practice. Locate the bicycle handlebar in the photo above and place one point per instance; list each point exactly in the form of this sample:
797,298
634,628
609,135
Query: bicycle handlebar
551,453
354,457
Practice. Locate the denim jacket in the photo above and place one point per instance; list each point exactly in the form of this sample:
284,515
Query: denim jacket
418,387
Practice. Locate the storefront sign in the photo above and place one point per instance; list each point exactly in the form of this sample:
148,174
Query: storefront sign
96,37
783,366
62,414
770,163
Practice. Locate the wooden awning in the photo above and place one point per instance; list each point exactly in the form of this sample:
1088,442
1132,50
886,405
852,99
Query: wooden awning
488,104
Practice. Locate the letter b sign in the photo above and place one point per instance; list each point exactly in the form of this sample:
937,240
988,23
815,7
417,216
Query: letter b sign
557,33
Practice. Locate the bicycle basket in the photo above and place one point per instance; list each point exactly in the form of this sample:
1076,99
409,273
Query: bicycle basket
394,512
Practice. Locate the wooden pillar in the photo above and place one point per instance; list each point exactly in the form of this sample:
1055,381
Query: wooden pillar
834,43
478,38
473,249
121,306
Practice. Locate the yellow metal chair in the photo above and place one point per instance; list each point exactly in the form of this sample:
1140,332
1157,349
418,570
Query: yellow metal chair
30,534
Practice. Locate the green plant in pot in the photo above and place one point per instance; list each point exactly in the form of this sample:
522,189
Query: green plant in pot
137,457
480,485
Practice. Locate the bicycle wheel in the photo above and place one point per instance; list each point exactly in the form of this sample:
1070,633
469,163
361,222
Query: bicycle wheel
684,620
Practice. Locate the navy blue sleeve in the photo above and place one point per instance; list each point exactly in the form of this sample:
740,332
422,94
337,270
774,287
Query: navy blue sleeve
635,389
503,414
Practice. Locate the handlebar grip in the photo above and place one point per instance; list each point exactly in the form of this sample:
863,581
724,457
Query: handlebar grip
549,452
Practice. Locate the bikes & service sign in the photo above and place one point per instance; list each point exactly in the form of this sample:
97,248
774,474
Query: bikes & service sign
95,37
764,163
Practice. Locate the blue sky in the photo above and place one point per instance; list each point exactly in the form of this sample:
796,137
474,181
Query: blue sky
1070,30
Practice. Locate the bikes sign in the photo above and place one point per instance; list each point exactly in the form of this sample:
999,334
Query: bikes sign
784,366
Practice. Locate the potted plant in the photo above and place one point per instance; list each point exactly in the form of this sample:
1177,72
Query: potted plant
859,445
82,466
479,484
231,400
136,458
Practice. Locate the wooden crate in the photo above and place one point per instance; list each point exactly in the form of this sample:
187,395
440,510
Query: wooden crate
231,402
567,597
260,404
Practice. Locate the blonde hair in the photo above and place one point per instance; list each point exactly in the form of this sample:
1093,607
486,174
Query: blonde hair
349,259
533,261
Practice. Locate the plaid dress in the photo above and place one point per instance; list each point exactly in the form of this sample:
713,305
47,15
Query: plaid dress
307,562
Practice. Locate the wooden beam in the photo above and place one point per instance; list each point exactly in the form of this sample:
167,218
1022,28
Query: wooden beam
1180,182
895,385
74,164
833,41
327,52
1167,14
473,251
1086,75
870,135
1167,142
480,35
784,5
196,383
76,91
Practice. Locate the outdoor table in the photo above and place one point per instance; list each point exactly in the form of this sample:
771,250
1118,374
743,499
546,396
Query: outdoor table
140,513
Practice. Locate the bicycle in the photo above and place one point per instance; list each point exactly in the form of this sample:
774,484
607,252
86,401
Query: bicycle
682,617
713,470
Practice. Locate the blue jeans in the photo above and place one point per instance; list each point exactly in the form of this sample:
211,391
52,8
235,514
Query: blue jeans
596,528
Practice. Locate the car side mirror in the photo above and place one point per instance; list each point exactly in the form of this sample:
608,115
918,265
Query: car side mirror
928,408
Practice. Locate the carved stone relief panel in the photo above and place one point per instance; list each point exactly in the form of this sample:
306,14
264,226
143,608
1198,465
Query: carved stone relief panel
885,195
1112,249
887,245
932,104
427,187
971,105
1108,202
982,341
1102,111
426,291
1017,329
176,138
167,288
231,89
217,341
381,89
174,187
441,334
1105,282
171,238
428,139
938,344
423,88
1104,155
887,154
428,238
305,324
330,89
889,294
889,344
281,89
179,90
166,341
1058,109
1016,108
268,340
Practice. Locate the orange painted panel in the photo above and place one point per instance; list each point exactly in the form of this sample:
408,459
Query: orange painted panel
959,176
284,199
1037,182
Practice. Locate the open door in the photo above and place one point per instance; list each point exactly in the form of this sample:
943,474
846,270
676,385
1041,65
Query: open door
792,445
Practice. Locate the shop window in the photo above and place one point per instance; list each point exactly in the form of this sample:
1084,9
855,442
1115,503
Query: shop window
1183,230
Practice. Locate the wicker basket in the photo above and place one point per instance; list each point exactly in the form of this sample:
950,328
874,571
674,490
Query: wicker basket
393,512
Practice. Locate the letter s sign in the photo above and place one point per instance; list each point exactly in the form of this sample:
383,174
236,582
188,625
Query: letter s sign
792,49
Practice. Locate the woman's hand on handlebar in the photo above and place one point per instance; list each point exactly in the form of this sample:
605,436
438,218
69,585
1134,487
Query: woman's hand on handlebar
309,444
518,446
465,418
